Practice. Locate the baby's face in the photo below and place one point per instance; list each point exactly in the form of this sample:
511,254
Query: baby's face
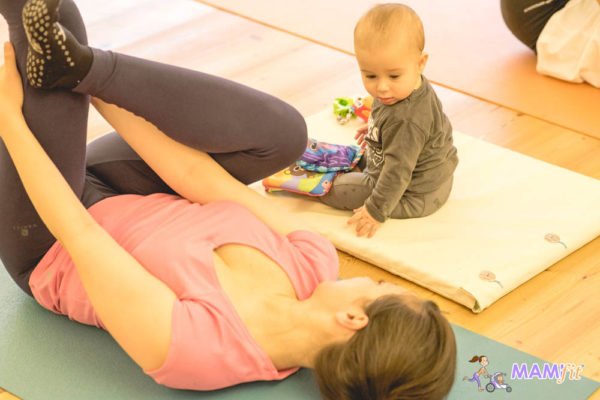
390,72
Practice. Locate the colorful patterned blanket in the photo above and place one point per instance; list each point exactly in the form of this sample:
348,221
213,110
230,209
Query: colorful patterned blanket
314,173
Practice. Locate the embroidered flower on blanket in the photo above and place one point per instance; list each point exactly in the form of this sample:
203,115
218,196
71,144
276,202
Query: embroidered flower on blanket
554,238
489,276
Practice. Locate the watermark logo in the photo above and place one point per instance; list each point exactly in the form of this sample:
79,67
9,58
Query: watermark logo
496,380
559,372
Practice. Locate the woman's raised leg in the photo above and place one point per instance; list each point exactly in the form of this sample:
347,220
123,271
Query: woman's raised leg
59,121
250,133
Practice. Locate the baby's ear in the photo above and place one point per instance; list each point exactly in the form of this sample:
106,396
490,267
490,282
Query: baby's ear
423,61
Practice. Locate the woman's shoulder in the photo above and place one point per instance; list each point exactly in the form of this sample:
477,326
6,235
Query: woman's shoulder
212,350
317,256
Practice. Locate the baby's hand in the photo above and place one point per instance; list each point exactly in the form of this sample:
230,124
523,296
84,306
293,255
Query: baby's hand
365,224
360,135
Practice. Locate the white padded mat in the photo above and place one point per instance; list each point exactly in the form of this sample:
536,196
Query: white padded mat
509,217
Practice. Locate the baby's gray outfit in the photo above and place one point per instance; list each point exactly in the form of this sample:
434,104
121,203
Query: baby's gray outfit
410,161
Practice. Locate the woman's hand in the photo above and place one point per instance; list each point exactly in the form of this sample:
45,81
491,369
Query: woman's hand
11,87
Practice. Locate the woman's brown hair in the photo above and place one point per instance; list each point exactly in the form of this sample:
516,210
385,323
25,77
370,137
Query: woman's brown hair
407,351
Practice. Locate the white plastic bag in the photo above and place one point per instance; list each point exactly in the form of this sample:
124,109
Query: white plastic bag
569,45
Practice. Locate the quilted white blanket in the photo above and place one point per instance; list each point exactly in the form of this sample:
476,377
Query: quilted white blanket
509,217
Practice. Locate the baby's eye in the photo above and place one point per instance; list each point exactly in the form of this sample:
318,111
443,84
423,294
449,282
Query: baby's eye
394,76
370,76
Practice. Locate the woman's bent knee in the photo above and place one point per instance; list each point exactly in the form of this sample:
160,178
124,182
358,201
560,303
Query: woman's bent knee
288,138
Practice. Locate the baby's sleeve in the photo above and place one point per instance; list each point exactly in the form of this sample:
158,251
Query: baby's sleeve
402,145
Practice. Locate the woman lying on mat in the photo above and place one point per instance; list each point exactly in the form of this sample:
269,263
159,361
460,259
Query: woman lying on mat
198,278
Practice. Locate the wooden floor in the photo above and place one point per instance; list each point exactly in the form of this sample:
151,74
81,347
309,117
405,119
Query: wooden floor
554,316
6,395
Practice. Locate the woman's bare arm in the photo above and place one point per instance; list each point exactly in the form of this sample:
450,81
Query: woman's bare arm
193,174
135,306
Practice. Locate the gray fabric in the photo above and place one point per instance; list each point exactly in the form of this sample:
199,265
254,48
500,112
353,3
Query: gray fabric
250,133
410,160
526,18
351,190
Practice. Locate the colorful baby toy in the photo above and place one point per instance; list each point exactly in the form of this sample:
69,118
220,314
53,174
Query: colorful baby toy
314,172
296,179
346,108
327,157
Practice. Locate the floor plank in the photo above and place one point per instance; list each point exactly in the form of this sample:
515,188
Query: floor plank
480,58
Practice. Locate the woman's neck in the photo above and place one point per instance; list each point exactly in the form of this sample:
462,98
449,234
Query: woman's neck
294,332
291,332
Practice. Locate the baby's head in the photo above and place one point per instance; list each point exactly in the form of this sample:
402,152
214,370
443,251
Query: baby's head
389,42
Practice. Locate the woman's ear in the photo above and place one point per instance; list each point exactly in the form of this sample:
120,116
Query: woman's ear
353,318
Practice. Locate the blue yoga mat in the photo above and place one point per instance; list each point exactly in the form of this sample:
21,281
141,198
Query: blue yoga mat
44,356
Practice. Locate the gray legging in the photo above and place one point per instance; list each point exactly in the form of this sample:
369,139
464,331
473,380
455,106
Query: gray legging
250,133
527,18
